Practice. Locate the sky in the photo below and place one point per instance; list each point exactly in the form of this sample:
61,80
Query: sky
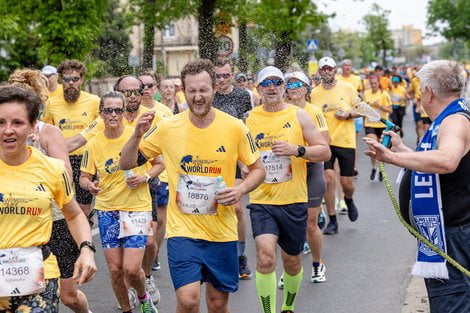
349,14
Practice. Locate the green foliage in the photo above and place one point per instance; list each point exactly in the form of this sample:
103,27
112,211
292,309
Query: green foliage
377,31
455,50
450,18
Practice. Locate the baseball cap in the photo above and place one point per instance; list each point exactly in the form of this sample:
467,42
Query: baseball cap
49,70
326,61
240,75
269,71
396,79
298,75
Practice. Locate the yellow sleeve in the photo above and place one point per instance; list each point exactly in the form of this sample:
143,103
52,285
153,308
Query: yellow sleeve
386,100
93,129
46,116
150,144
320,121
88,163
64,191
247,151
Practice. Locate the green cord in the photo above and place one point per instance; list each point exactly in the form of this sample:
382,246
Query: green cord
413,231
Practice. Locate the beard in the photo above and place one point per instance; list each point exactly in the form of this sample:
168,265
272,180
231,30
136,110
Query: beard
71,94
327,79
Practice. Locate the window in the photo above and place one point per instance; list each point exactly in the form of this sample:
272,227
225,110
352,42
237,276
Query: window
170,30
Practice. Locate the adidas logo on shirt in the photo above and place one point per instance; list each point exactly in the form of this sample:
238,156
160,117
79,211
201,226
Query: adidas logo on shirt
84,114
40,187
195,211
221,149
15,291
287,125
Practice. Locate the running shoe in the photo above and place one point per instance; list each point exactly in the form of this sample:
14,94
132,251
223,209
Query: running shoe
318,274
152,290
353,213
132,294
244,271
306,248
343,208
321,219
146,306
287,311
156,265
381,177
373,174
331,229
280,283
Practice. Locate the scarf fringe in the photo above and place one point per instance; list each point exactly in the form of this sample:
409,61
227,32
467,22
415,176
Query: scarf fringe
430,270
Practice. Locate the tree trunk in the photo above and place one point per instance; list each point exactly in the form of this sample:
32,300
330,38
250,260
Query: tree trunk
243,42
206,40
149,42
283,49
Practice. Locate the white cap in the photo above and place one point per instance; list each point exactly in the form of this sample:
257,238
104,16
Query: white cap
326,61
49,70
269,71
298,75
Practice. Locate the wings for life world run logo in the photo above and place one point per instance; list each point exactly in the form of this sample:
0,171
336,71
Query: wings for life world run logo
193,165
111,165
17,205
67,124
263,140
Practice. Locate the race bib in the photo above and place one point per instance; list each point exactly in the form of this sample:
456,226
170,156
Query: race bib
21,272
396,98
196,194
135,223
278,168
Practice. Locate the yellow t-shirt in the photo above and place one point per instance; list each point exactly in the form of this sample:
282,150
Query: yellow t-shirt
317,116
352,79
268,127
101,157
343,95
160,107
58,92
180,97
384,100
204,154
398,95
26,195
72,118
385,83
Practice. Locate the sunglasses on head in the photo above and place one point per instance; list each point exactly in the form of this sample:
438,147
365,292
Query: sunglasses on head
118,111
148,86
131,92
224,75
294,85
68,79
268,82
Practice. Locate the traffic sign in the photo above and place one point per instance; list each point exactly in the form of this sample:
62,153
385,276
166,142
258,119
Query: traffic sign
312,45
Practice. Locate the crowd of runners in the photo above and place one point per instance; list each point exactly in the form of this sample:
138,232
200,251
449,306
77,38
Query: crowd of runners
161,157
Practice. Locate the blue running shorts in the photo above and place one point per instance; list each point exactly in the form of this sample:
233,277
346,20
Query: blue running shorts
108,223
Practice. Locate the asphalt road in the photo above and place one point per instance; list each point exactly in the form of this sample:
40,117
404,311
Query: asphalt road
367,263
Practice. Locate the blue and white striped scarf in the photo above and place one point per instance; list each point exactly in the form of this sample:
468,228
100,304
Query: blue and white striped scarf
426,204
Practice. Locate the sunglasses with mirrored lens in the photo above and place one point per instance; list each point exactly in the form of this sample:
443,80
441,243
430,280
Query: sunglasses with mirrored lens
67,79
268,82
148,86
223,75
131,92
294,85
118,111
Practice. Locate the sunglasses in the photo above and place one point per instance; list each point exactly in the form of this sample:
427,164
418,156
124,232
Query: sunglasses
224,75
70,79
148,86
118,111
294,85
132,92
268,82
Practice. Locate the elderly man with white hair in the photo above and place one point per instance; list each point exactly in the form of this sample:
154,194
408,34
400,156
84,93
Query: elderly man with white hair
437,182
287,138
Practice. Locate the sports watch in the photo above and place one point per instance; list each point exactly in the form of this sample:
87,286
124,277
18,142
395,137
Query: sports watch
88,244
300,151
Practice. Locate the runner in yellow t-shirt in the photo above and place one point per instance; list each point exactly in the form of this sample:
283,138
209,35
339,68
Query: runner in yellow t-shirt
73,112
337,98
287,137
398,96
380,101
123,202
29,182
200,147
298,92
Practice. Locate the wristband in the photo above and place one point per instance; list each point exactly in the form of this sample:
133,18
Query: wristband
147,177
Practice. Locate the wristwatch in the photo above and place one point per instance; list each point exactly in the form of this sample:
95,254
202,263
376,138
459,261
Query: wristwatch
300,151
148,177
88,244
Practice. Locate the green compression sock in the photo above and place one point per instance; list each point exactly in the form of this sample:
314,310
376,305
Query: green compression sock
266,286
291,288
